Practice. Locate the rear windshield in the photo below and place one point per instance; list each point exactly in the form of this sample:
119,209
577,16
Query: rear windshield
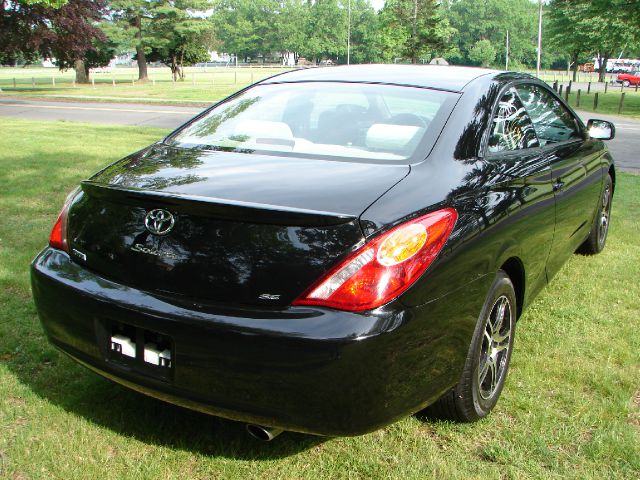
317,119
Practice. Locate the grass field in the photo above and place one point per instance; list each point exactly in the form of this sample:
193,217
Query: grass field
609,102
202,85
570,409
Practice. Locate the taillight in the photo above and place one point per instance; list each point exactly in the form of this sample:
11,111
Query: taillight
58,237
385,267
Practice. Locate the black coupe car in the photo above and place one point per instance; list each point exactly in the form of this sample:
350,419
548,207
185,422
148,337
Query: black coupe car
331,249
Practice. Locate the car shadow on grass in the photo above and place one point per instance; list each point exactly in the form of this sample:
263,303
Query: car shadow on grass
58,380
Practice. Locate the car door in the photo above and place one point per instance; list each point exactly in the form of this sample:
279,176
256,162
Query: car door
576,169
523,187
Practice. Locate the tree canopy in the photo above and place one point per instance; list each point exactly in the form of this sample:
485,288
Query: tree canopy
85,33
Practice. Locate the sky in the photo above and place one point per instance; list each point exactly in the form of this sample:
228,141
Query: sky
377,4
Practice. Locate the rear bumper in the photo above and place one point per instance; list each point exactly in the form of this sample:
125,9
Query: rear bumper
304,369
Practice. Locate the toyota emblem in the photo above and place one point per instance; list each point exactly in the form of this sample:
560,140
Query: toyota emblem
159,221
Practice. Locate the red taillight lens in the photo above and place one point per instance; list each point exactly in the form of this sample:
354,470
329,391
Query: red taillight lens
58,237
385,267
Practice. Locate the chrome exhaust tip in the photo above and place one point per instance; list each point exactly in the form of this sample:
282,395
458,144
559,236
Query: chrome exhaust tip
265,434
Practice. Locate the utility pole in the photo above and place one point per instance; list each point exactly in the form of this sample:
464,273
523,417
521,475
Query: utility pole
506,62
539,37
349,36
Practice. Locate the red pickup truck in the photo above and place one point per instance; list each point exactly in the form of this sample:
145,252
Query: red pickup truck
626,79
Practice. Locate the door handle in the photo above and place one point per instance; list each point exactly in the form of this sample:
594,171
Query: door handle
559,185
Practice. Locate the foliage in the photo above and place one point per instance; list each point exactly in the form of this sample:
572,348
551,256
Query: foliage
179,37
482,53
601,28
316,30
489,20
68,33
326,29
415,29
245,27
130,26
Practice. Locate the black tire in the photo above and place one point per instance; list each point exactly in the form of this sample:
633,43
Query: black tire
597,238
476,393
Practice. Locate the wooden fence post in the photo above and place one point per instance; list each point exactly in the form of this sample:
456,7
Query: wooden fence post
589,88
606,86
578,99
560,90
14,82
621,106
595,102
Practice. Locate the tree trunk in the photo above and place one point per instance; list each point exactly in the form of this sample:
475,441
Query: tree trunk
174,68
82,72
140,56
181,66
602,71
574,59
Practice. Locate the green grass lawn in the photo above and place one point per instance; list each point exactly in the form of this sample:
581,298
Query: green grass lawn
609,102
570,409
200,84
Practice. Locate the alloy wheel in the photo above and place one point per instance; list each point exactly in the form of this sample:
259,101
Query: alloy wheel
495,347
605,212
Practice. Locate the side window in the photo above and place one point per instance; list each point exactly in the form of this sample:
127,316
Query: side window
552,121
512,128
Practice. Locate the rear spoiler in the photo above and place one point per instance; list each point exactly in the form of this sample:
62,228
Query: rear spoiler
215,207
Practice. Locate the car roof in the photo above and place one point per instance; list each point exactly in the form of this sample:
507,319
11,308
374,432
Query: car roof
440,77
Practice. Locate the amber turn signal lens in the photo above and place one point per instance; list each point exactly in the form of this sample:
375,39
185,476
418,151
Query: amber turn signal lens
385,267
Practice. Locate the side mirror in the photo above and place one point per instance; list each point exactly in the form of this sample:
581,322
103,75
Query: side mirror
601,129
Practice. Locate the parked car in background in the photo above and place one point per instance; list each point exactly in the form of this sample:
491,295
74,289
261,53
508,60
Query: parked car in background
330,249
628,79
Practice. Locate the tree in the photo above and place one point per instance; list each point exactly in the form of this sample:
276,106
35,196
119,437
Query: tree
327,30
417,28
598,28
69,33
178,36
131,17
482,53
80,45
571,30
291,28
364,33
490,20
246,27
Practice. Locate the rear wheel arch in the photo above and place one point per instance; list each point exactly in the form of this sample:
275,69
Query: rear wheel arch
514,268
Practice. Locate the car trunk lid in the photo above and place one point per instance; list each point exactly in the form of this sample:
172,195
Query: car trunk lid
248,229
